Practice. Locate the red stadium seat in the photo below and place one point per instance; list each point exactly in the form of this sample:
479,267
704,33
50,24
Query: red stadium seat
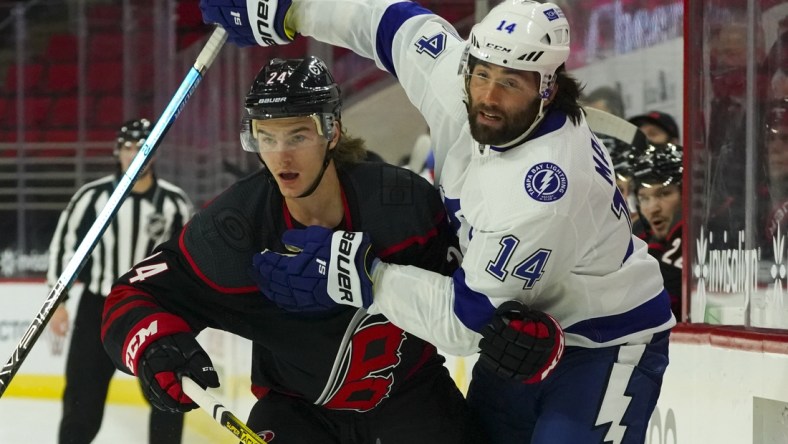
64,113
37,111
105,77
102,135
144,78
105,47
33,75
107,112
62,48
7,112
61,78
70,135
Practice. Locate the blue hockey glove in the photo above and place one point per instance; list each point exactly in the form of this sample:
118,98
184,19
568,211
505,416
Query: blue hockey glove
250,22
163,363
330,268
521,343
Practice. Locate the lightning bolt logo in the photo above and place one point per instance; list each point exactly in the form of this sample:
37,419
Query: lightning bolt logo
545,181
615,401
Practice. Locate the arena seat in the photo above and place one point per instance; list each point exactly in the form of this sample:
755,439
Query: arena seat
61,78
33,74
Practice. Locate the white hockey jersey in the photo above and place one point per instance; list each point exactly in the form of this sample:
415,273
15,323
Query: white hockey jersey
542,222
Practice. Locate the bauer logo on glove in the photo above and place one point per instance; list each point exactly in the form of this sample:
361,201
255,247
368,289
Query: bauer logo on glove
343,276
331,268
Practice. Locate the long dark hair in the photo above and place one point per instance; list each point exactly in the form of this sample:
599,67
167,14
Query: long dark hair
568,95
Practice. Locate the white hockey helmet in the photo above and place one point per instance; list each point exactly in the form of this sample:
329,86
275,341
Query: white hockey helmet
524,35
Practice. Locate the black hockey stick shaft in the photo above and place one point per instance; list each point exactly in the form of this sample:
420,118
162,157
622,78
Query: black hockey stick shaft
220,413
67,277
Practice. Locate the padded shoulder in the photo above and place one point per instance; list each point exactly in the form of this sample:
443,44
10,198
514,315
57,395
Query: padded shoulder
393,204
220,239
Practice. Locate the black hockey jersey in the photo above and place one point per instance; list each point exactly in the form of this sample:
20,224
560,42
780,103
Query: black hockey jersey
668,253
343,358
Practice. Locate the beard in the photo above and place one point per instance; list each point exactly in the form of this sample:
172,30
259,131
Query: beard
512,125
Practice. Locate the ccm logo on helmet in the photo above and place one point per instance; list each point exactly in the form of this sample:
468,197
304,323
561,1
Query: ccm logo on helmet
498,47
343,265
263,25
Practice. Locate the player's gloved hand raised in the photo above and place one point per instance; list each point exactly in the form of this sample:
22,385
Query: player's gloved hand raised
521,343
250,22
162,365
330,268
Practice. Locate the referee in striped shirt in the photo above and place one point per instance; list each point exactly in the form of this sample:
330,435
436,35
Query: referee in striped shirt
154,210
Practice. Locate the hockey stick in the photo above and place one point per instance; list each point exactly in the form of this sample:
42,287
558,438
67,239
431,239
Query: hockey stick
607,124
67,277
220,413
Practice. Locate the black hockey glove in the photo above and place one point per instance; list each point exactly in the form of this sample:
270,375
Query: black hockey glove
164,362
521,343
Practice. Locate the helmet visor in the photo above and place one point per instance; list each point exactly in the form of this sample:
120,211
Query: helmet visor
483,79
255,139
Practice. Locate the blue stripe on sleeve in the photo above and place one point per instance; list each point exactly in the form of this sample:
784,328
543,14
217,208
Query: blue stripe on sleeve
650,314
630,250
471,307
390,23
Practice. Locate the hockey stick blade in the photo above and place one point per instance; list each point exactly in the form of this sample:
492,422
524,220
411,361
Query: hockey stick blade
607,124
67,277
220,413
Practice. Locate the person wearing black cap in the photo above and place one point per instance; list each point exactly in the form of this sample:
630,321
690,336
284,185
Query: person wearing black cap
659,128
153,211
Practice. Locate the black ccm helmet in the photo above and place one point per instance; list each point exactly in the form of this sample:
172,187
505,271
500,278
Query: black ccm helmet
291,88
658,165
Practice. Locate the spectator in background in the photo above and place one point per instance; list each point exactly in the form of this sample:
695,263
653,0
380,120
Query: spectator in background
153,211
607,99
725,158
660,128
774,190
657,176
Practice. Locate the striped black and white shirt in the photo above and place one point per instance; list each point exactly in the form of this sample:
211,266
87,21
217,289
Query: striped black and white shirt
143,221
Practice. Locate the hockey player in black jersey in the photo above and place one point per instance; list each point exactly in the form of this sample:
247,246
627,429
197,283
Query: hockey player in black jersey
336,376
657,178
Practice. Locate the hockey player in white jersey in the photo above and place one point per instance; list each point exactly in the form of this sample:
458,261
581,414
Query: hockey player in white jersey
549,257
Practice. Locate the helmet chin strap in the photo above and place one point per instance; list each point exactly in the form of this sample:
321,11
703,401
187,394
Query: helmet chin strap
319,178
521,137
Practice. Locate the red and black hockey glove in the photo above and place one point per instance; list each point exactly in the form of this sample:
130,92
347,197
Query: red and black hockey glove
162,364
521,343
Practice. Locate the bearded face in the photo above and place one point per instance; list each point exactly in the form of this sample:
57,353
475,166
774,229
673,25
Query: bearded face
502,103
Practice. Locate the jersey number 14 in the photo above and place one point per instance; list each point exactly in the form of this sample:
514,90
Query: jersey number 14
529,270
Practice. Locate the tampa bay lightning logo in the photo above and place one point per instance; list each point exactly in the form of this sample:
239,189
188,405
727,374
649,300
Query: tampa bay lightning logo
545,182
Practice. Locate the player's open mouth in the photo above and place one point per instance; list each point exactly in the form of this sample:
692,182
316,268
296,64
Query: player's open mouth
288,176
488,116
